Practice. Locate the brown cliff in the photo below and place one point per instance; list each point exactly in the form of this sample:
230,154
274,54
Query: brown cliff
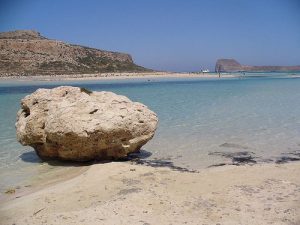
29,53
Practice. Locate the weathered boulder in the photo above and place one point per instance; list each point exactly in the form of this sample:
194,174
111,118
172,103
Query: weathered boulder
72,123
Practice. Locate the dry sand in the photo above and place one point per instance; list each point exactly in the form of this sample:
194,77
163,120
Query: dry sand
114,76
123,193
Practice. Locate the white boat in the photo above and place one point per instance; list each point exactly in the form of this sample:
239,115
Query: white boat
205,71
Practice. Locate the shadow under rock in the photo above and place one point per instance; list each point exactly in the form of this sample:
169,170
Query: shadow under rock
32,157
141,154
139,158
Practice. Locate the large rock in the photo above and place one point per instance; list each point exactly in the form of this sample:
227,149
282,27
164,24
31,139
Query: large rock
72,123
228,65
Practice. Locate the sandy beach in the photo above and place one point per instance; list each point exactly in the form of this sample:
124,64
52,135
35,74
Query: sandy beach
114,76
125,193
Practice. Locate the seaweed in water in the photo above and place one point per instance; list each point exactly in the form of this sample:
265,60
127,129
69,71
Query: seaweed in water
140,159
286,159
238,158
163,163
289,157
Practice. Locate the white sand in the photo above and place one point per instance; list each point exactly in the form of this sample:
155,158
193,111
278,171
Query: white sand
121,193
114,76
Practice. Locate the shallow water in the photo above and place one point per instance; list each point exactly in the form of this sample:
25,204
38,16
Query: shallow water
196,117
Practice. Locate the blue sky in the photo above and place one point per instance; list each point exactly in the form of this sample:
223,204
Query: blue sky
176,35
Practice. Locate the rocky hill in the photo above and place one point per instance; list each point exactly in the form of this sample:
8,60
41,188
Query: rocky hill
231,65
26,52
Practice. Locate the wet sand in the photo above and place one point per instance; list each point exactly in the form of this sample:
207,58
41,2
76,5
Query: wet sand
125,193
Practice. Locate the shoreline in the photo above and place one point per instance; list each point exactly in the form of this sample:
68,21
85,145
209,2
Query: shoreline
127,76
126,193
115,76
37,183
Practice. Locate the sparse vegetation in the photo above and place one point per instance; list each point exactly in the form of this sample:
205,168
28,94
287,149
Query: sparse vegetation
85,91
10,191
53,57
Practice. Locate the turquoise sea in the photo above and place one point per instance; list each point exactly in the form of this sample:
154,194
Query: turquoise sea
197,117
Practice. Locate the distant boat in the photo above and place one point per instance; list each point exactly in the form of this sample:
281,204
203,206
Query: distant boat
205,71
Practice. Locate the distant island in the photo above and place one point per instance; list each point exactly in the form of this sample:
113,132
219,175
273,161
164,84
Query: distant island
27,53
231,65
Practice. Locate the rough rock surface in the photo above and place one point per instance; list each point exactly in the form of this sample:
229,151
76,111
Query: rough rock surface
231,65
72,123
26,52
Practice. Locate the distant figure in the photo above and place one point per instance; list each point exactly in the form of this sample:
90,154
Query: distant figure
219,70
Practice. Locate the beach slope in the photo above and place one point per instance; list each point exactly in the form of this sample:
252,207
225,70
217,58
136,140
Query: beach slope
123,193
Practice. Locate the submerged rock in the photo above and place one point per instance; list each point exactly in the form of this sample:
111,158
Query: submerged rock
72,123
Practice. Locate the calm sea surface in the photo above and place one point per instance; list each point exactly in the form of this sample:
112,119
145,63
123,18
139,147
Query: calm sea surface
196,117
